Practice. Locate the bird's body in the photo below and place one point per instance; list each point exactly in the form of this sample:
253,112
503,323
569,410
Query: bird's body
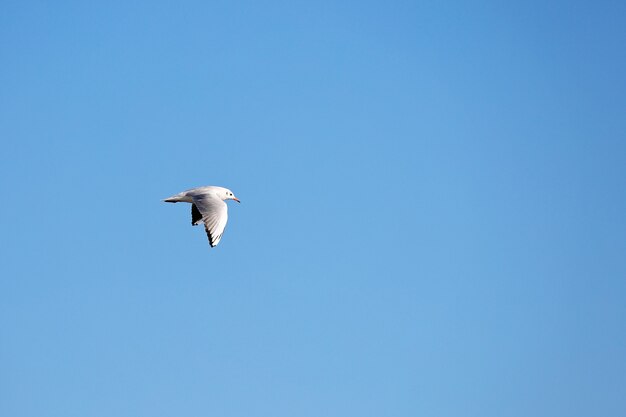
207,206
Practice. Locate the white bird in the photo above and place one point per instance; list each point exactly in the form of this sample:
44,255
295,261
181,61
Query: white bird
208,206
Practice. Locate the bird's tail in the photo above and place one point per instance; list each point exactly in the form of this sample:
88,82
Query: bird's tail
173,199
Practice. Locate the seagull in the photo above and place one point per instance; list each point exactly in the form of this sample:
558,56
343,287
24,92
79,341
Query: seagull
207,206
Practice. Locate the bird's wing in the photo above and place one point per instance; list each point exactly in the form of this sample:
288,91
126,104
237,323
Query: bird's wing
214,215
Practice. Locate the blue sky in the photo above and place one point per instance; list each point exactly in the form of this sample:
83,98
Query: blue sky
432,218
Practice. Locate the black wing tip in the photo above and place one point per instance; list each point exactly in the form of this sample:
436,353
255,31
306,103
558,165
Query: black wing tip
210,236
196,216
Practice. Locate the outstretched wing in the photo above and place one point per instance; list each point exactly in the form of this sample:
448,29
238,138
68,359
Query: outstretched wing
214,215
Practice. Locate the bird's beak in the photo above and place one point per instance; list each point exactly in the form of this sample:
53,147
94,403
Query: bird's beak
236,199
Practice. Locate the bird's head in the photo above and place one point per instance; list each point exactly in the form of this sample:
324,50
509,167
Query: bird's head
228,195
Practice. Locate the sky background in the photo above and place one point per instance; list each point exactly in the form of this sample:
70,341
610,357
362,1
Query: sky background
432,220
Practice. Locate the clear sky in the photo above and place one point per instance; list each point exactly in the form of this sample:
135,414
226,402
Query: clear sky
433,217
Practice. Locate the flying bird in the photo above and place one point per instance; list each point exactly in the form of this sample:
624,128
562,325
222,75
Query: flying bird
207,206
